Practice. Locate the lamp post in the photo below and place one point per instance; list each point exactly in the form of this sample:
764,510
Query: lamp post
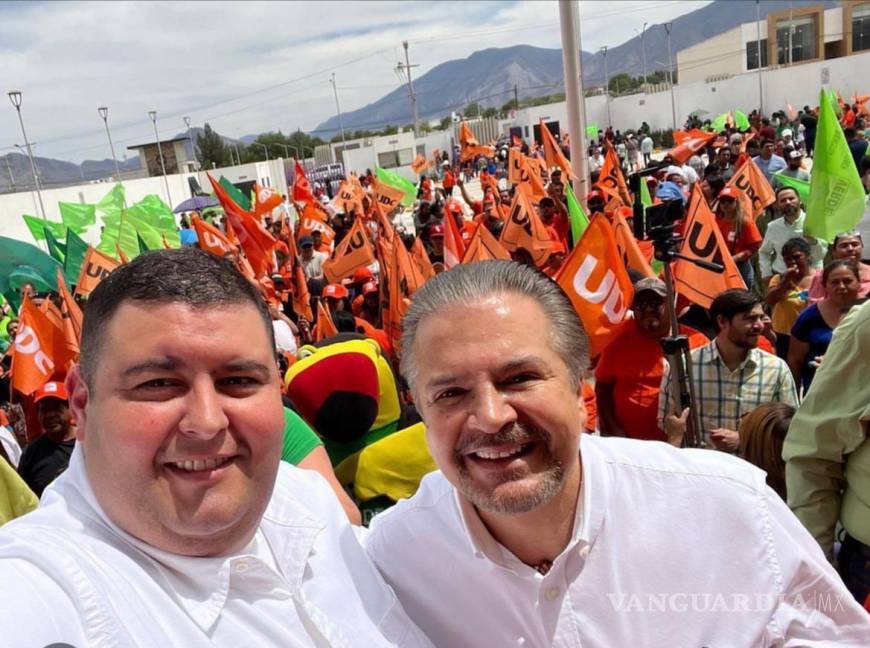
569,23
287,148
265,149
607,86
186,120
15,98
337,106
9,169
643,53
671,75
103,111
153,115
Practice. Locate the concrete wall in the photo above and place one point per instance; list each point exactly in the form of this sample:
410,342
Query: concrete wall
13,205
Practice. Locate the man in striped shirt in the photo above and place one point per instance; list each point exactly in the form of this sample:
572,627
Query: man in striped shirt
731,375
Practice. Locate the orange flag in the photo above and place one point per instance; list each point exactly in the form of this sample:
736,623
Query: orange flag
308,223
469,146
484,247
301,296
40,351
347,199
256,242
95,268
610,180
755,191
515,165
524,228
703,240
355,251
266,199
689,143
325,326
211,239
387,231
553,154
597,282
71,315
418,253
454,246
387,197
419,164
628,248
404,278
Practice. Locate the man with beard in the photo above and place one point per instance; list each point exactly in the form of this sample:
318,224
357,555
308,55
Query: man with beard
48,456
732,376
789,225
530,536
629,370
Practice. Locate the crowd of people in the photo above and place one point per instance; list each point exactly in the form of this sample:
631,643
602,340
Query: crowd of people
373,334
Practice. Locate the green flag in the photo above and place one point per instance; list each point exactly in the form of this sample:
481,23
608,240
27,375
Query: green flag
143,246
76,249
37,227
236,194
645,198
118,233
22,263
153,220
399,182
741,121
835,103
77,216
836,201
718,124
56,249
592,130
112,203
577,217
801,186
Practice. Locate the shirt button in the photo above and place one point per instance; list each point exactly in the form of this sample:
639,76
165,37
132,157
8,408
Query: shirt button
552,593
240,567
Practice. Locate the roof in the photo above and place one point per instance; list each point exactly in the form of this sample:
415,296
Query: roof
168,141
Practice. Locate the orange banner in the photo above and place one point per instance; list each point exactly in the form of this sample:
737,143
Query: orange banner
689,143
610,180
95,268
266,199
484,247
418,252
553,154
387,197
211,239
454,246
469,146
71,316
597,283
419,164
629,251
40,351
325,326
703,240
755,191
354,251
524,229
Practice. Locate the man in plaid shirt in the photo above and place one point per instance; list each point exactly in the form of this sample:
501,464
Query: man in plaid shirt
731,376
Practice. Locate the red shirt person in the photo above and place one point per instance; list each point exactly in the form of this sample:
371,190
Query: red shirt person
629,372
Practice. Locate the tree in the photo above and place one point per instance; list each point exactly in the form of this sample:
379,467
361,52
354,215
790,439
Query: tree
472,110
490,112
210,149
446,122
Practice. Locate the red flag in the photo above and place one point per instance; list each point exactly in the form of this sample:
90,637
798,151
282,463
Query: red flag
301,187
256,242
597,282
703,240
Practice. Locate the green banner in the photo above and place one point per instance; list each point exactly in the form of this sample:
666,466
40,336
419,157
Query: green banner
399,182
77,217
801,186
236,194
577,217
37,227
76,249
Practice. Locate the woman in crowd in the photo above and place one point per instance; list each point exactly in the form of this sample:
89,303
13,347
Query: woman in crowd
787,292
739,231
762,432
812,332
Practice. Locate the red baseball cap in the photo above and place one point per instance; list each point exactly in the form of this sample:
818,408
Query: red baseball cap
437,230
592,195
729,192
51,390
369,287
335,291
362,275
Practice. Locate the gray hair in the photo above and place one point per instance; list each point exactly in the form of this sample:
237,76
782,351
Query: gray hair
468,284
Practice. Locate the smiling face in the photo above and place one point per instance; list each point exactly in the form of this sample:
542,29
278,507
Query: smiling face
744,329
182,431
502,418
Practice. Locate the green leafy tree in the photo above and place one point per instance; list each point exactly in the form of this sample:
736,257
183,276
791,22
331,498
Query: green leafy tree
472,110
490,112
210,149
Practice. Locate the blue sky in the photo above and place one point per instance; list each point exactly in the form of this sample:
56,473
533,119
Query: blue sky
248,67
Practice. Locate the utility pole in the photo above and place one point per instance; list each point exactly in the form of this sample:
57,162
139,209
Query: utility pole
667,27
758,49
405,70
569,20
337,107
15,98
607,87
9,168
643,53
516,97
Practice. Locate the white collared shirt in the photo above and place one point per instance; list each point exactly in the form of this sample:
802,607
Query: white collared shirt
673,548
70,575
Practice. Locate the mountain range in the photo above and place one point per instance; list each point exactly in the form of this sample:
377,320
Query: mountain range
488,77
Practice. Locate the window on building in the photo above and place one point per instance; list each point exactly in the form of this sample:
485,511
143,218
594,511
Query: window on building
752,54
796,40
421,149
393,159
861,27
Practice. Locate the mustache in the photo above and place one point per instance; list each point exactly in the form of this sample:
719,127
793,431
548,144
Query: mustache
518,433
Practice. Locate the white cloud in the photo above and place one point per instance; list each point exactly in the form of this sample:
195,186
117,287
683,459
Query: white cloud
229,62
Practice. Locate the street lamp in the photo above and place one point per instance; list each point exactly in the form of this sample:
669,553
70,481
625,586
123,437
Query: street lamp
265,149
15,98
104,115
286,148
190,137
643,53
152,114
606,86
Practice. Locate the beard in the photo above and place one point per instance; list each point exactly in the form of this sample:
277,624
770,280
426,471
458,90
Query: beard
509,497
791,210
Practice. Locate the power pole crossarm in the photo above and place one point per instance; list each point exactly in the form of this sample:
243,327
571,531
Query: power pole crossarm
405,70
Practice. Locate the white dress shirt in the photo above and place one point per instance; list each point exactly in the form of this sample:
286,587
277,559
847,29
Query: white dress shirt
672,548
70,575
778,232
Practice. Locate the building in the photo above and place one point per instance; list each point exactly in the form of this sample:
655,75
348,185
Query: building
790,36
174,156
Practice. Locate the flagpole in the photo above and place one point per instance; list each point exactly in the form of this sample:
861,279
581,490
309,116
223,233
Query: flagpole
569,19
